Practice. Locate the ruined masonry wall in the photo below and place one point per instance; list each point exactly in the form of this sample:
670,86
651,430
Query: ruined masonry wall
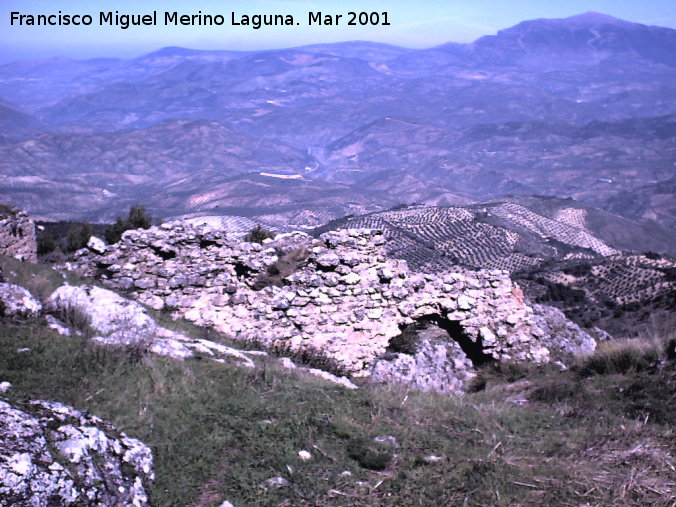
348,299
17,236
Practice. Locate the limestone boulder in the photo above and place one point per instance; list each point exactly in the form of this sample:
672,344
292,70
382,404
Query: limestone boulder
564,339
53,454
96,245
115,320
436,364
17,303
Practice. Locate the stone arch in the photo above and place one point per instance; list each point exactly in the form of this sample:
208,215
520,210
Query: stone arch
473,348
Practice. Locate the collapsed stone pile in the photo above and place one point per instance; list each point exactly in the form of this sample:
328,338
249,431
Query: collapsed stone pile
339,294
17,235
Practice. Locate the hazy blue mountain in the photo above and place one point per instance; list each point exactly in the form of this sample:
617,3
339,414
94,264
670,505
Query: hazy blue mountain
591,36
16,124
578,107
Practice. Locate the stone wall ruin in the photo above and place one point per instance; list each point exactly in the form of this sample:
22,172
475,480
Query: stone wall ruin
338,294
17,234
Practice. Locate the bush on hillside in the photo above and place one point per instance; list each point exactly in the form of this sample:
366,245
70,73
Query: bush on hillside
46,243
623,356
578,269
555,291
406,342
137,219
368,455
312,357
78,236
258,235
6,209
287,264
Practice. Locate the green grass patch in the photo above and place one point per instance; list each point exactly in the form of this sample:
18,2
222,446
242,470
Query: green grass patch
39,279
219,432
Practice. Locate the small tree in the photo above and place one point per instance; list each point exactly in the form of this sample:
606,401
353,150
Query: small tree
137,219
46,243
258,235
114,232
78,236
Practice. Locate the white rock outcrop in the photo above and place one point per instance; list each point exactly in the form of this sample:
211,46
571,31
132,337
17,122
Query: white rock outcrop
96,245
17,303
571,341
115,320
53,454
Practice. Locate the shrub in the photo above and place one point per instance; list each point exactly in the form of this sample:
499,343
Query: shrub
76,319
623,356
55,257
78,236
137,219
46,243
669,274
505,372
555,291
6,209
312,357
38,279
671,349
578,269
114,232
556,390
406,342
286,265
399,206
258,235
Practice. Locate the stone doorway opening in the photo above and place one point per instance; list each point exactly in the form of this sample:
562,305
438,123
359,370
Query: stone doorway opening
438,328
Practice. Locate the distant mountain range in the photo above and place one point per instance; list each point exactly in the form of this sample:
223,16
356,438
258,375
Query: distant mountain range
580,107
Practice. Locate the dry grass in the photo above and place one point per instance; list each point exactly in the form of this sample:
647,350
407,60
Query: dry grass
39,279
632,355
218,432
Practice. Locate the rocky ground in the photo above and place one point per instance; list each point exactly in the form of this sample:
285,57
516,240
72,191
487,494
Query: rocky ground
339,307
52,454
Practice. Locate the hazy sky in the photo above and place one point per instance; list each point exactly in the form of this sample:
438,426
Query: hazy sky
420,23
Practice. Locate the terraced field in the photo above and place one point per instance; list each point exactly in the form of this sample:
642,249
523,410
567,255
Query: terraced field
563,230
633,279
550,246
500,235
235,225
624,293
